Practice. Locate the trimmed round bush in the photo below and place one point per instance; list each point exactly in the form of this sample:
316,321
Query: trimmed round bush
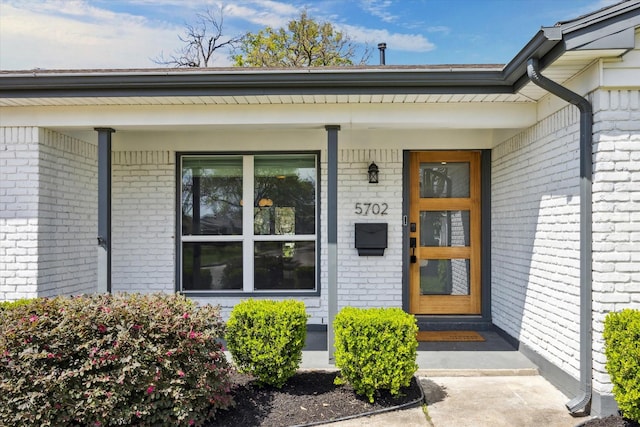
105,360
375,349
266,338
622,348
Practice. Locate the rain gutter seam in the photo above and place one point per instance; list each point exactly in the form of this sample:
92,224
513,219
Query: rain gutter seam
583,401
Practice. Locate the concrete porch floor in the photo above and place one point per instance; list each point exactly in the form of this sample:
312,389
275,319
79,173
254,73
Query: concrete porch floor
466,384
494,356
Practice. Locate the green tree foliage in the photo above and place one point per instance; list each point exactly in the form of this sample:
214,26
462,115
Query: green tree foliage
304,43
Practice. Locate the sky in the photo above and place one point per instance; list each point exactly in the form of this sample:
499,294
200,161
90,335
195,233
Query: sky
113,34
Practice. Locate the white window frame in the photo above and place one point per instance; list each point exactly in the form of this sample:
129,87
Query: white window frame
248,237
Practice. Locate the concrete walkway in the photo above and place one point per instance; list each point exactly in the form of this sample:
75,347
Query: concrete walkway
488,401
486,384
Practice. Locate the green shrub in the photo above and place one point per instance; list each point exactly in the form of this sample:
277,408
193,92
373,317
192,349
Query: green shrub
9,305
622,348
112,360
375,349
266,338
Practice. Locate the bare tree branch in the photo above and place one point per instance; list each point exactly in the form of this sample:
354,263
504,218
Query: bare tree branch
201,40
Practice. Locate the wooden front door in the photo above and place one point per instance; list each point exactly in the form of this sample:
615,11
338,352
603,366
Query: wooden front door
445,233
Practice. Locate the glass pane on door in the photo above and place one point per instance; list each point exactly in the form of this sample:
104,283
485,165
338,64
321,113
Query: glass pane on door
444,180
445,277
444,228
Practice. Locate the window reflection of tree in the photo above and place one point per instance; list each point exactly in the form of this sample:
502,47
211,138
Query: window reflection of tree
291,210
221,199
287,195
288,191
212,205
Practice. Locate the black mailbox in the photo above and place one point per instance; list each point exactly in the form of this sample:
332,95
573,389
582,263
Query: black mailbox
371,238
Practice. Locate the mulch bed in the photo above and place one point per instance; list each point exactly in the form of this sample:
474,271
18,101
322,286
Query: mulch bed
610,421
307,398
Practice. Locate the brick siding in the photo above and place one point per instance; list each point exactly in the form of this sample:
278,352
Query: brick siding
18,212
68,215
616,213
536,240
48,209
143,221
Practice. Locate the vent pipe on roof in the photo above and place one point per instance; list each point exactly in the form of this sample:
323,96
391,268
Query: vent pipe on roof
582,402
382,47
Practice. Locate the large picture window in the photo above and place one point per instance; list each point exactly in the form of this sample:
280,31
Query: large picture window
248,222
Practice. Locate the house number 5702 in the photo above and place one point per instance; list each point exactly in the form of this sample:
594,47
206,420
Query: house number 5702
365,209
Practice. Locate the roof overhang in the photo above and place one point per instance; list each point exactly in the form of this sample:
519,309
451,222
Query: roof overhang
607,32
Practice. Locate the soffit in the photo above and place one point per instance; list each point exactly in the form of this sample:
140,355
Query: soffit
484,88
267,99
566,67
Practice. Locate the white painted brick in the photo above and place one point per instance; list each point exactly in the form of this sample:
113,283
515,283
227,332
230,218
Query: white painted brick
535,237
18,213
68,215
52,177
143,250
617,223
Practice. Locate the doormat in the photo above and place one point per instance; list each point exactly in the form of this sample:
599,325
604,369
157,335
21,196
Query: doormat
450,336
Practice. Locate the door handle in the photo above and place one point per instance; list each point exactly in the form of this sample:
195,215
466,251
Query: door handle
412,244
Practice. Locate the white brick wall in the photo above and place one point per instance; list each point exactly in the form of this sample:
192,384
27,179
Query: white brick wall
68,220
616,213
535,238
18,212
369,281
143,221
47,214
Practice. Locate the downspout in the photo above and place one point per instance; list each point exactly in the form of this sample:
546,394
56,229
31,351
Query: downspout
583,401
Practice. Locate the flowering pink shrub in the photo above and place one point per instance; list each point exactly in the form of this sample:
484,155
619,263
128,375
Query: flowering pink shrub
112,360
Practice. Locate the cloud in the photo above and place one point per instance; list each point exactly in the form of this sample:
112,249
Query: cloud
380,9
255,16
72,35
277,7
396,41
439,29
